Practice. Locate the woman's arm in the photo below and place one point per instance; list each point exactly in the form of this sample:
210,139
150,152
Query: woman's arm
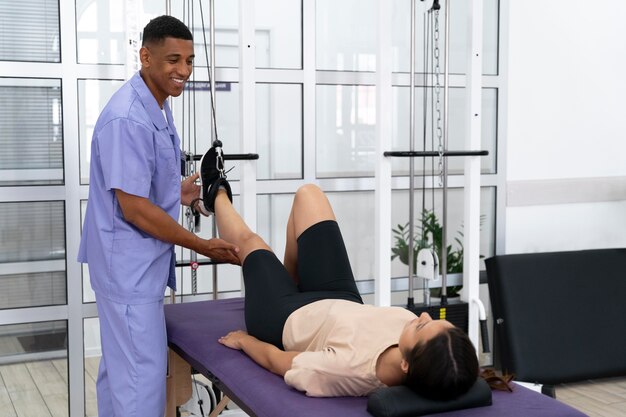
265,354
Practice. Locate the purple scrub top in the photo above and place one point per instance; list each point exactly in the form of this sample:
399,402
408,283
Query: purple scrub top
133,149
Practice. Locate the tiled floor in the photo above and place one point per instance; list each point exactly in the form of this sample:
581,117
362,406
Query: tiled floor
598,398
34,389
39,389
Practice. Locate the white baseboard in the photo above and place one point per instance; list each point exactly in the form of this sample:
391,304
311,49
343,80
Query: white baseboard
531,385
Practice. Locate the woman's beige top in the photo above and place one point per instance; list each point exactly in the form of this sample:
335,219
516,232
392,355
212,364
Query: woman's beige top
340,343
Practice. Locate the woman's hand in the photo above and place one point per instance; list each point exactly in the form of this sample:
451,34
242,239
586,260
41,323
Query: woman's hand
267,355
233,339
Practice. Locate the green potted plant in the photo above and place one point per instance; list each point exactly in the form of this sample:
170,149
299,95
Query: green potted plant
428,235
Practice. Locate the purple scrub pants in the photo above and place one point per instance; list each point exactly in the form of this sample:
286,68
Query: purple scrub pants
131,378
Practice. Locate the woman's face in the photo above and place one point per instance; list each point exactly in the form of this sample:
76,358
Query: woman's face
421,329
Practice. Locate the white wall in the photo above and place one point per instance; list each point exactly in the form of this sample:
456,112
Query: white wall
566,125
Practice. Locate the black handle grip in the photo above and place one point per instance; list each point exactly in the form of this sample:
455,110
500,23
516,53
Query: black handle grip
484,335
424,154
227,157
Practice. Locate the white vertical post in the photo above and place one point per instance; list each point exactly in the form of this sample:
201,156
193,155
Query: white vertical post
382,192
247,111
75,318
471,239
308,90
132,10
410,302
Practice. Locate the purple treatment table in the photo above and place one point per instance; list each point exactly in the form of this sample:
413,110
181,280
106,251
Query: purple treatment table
193,330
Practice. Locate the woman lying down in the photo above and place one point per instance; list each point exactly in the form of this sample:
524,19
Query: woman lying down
306,320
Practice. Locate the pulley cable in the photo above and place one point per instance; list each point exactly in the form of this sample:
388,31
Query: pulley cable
206,54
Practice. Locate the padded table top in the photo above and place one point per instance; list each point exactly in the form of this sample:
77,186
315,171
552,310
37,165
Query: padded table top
193,330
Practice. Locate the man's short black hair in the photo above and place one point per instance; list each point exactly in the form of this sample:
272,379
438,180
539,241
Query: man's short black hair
163,27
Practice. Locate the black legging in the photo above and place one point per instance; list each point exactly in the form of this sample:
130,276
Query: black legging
272,295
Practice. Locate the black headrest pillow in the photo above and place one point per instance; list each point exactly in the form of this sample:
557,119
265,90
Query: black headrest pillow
400,401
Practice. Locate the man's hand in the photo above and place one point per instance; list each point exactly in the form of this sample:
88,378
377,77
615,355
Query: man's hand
219,250
189,190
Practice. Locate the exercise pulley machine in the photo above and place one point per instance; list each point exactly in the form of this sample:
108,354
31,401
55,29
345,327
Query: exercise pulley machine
201,394
430,264
190,156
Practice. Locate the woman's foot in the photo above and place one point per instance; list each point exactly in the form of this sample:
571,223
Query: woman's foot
212,178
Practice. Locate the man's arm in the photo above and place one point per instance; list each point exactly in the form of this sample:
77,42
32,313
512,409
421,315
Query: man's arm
265,354
143,214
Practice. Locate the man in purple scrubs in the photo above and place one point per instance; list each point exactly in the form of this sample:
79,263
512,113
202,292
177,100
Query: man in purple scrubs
131,223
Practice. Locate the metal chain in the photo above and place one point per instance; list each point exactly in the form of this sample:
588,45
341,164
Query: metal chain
439,129
193,225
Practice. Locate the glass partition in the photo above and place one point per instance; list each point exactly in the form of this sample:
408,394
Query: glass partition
100,33
279,131
345,130
30,31
32,254
278,35
31,144
346,35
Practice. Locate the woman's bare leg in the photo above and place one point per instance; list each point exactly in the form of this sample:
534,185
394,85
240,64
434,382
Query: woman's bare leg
233,229
310,206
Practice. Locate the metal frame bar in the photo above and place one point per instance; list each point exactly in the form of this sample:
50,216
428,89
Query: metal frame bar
383,183
471,238
247,106
472,164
